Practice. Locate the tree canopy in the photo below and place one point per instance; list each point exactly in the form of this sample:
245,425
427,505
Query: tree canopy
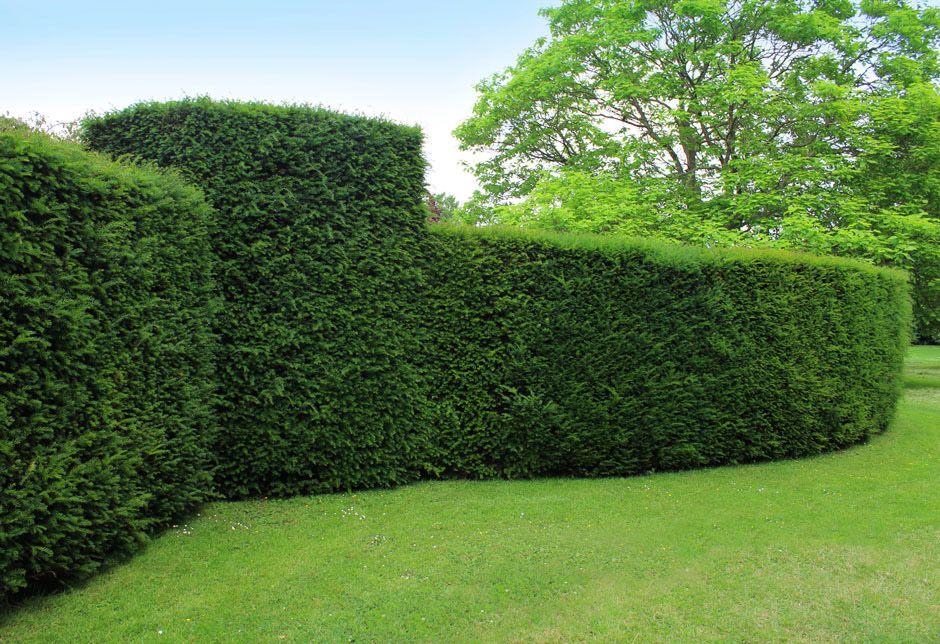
812,125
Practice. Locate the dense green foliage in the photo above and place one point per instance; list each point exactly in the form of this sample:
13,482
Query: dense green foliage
360,350
786,123
580,202
597,356
106,357
319,215
357,348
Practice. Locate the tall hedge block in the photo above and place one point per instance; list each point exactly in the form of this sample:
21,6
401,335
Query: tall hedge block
106,357
318,220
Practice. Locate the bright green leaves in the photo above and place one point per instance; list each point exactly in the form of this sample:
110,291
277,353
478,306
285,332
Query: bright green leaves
758,115
575,201
677,90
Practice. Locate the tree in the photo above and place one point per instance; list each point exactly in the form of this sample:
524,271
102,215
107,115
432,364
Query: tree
62,130
810,125
600,203
443,206
691,92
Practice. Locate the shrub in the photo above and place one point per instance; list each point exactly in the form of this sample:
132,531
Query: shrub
320,214
362,350
583,355
358,347
106,362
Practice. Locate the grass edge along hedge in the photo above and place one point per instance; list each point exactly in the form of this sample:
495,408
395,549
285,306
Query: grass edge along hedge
106,358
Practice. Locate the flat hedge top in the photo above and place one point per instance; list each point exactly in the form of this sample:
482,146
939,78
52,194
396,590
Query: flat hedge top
256,108
260,113
664,252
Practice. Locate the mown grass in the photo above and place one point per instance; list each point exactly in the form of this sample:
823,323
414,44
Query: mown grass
843,547
923,370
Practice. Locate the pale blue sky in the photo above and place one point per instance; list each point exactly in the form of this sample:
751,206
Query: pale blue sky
415,61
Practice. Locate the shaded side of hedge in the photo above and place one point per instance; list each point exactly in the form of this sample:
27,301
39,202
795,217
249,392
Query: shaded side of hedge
106,357
592,356
319,219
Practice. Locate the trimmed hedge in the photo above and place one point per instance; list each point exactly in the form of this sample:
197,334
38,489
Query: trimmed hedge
106,357
320,218
581,355
364,350
359,348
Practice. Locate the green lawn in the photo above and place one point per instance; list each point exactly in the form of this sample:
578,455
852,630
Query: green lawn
841,547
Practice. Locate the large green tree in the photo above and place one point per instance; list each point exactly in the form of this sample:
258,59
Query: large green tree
792,123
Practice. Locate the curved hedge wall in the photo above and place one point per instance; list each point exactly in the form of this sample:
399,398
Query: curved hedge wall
359,348
106,357
597,356
364,349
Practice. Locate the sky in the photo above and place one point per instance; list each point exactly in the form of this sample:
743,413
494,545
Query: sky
412,61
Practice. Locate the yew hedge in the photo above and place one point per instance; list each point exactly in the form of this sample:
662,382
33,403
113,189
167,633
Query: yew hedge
581,355
106,357
310,333
320,217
